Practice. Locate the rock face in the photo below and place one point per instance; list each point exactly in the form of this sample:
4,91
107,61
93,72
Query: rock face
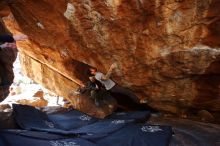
167,50
4,9
7,58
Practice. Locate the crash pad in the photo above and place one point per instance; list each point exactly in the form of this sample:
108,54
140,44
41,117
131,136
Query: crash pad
119,129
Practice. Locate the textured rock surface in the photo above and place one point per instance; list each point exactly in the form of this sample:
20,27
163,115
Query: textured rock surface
7,58
167,50
4,9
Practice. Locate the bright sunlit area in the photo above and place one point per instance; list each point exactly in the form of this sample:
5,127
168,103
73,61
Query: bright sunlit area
26,91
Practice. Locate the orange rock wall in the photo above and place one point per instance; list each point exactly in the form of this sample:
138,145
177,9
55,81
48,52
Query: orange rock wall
167,50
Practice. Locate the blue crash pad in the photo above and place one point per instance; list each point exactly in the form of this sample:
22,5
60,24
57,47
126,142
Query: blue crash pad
29,118
138,135
102,128
71,119
134,115
13,139
35,134
119,129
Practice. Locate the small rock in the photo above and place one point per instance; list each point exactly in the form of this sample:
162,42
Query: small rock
7,110
36,102
39,93
4,107
206,116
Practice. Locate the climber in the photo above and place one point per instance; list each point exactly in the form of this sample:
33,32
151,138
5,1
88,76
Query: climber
111,86
97,92
9,41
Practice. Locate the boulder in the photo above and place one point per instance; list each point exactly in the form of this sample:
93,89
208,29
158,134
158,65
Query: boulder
168,51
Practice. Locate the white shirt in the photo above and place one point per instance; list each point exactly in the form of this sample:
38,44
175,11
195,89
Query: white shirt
107,83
